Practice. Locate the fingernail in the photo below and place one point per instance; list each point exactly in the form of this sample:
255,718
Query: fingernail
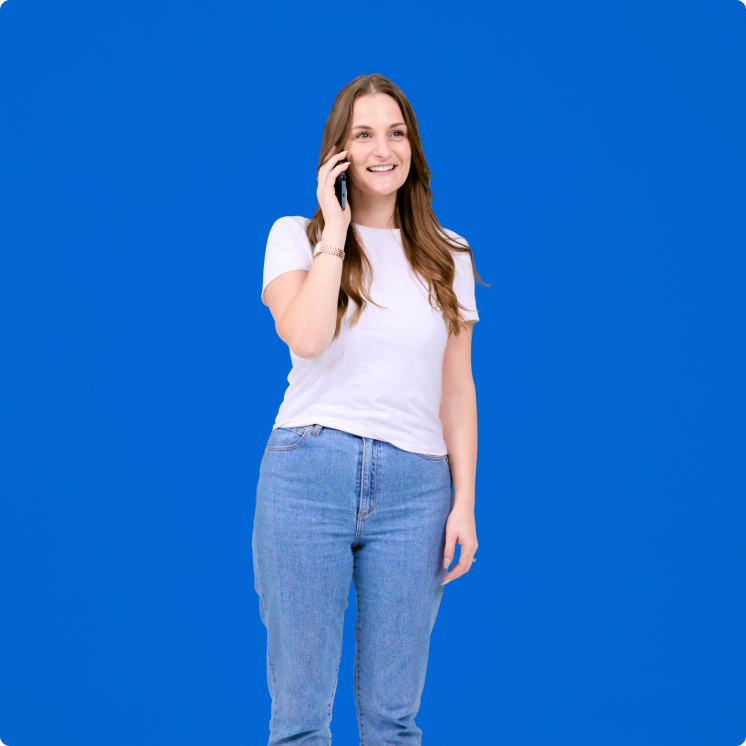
446,582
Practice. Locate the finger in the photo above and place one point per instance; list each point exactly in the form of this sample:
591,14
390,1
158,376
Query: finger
336,171
331,162
462,567
327,184
325,170
450,550
465,561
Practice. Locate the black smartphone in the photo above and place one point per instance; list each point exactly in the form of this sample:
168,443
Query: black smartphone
340,186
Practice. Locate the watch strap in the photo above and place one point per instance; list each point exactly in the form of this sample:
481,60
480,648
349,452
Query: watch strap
325,248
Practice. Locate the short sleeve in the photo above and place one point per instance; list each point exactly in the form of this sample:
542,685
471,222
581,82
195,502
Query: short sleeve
463,283
288,248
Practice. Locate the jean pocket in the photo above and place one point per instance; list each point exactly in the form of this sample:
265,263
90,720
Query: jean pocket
287,438
428,457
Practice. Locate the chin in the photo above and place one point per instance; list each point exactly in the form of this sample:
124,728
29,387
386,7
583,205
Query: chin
390,187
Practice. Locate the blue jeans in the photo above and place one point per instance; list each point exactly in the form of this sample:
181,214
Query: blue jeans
334,508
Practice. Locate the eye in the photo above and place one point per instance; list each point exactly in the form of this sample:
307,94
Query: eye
362,133
400,133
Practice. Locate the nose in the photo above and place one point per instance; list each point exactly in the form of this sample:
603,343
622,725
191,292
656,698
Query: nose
382,149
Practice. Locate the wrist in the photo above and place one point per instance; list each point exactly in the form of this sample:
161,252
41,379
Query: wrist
463,500
334,236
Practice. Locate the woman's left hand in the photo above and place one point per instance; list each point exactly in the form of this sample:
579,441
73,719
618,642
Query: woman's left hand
461,528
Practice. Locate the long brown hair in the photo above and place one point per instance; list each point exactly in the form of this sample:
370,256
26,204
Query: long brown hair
426,245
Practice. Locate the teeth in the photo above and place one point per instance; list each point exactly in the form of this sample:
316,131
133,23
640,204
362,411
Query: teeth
381,168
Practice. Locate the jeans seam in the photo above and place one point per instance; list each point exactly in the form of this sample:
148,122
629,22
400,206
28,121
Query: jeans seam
269,657
292,446
336,678
373,474
426,456
374,446
357,671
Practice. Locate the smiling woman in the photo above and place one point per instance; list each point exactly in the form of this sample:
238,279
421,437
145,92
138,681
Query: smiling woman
368,474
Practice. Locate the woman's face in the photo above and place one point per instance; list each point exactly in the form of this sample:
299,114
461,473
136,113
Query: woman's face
378,137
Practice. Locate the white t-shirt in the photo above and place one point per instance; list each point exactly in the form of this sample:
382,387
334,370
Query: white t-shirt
381,378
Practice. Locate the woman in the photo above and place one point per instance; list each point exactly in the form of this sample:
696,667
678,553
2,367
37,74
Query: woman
377,426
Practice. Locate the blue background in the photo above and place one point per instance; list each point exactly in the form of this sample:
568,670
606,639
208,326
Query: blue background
593,155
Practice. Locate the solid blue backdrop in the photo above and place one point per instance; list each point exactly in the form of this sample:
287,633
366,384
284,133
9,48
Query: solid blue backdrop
593,155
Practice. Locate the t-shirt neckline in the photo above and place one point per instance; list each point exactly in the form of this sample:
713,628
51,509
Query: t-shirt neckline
377,230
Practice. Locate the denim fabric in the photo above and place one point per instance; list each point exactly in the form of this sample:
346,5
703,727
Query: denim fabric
334,508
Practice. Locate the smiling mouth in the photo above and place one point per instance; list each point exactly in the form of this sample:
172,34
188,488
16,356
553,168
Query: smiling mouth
384,170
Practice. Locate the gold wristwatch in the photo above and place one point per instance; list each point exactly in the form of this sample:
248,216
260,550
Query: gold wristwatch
324,248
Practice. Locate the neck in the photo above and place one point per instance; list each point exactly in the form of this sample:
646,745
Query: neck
372,210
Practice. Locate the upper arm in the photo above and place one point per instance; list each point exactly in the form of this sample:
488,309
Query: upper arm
457,373
281,291
463,282
287,261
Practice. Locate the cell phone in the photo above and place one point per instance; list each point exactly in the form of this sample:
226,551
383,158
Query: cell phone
340,186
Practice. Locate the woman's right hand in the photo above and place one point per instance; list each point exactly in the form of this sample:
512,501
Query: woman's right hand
334,216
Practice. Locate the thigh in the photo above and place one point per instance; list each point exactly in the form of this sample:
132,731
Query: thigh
402,540
304,524
398,574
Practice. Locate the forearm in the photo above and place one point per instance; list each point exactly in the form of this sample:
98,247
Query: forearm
309,321
458,413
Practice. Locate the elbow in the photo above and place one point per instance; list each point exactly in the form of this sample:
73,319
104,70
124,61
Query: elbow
303,345
310,346
305,340
305,351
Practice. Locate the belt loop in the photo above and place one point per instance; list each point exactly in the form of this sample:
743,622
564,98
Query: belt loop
316,429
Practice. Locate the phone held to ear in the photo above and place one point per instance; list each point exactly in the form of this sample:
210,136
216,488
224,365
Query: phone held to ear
340,186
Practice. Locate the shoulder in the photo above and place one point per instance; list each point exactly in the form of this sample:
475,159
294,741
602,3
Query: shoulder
457,238
292,221
290,225
461,258
452,234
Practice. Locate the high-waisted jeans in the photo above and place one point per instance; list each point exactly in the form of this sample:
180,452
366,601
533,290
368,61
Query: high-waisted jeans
334,508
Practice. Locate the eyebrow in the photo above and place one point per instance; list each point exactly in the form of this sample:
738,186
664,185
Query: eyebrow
368,127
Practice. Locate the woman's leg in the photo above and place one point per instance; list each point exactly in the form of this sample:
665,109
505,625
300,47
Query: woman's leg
304,525
398,570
